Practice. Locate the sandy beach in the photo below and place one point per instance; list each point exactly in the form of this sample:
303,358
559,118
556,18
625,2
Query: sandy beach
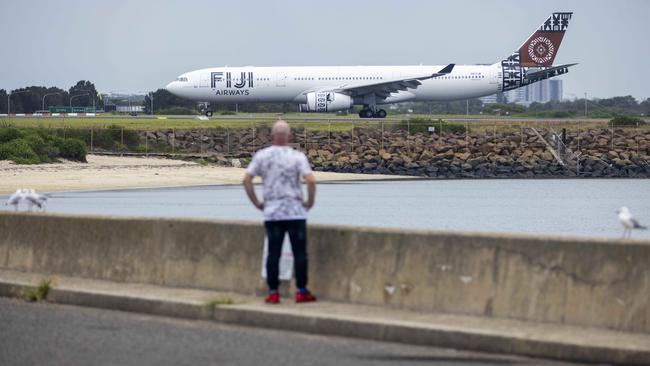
113,172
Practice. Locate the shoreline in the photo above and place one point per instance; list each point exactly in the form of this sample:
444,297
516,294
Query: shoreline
112,172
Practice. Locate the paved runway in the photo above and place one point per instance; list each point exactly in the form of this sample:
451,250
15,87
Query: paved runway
333,118
50,334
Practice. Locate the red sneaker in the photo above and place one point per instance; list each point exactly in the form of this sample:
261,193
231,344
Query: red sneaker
273,298
305,297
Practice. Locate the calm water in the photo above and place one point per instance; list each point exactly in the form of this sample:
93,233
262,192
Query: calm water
564,207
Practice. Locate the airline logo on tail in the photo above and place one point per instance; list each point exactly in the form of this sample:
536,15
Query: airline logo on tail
540,49
526,64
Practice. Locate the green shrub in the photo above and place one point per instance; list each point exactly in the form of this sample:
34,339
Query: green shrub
19,152
72,149
38,293
48,153
111,138
8,134
626,121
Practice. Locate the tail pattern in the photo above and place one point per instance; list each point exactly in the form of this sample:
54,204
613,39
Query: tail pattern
538,52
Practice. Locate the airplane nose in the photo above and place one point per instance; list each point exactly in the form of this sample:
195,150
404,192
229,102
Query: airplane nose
171,87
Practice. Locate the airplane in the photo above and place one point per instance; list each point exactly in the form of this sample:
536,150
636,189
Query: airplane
338,88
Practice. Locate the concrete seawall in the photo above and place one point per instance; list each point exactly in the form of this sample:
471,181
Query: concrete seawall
584,282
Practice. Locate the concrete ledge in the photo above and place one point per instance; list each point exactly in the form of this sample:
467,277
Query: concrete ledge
566,281
358,321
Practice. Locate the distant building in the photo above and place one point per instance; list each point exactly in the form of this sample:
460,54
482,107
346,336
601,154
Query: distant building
541,92
490,99
556,90
130,108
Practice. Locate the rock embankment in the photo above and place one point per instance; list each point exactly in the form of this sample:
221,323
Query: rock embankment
508,153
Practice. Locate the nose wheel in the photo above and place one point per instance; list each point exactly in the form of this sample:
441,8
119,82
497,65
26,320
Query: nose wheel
208,113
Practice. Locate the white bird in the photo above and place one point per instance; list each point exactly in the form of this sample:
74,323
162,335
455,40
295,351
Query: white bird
16,198
629,222
35,199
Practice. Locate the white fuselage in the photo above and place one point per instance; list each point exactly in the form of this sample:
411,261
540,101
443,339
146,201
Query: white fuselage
292,84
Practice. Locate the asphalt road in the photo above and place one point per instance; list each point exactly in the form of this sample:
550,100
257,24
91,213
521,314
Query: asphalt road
50,334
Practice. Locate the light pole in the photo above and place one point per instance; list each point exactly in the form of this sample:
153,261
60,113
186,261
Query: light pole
9,100
76,95
43,105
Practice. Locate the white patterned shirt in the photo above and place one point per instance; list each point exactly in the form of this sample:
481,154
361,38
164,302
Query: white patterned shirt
281,168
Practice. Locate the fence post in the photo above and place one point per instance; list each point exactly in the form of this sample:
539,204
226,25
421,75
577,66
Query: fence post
146,144
382,134
201,142
636,135
329,135
254,134
352,138
408,134
91,139
228,139
612,135
64,132
173,139
122,141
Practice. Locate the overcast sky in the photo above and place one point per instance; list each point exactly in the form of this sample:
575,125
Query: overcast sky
133,46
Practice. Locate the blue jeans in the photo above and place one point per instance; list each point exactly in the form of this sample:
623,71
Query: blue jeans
275,231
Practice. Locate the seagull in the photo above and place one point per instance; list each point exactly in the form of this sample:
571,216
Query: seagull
628,221
16,198
35,199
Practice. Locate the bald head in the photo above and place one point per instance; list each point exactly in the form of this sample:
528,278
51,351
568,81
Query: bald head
280,133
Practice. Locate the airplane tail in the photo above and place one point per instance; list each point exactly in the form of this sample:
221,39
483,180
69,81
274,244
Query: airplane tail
533,61
541,47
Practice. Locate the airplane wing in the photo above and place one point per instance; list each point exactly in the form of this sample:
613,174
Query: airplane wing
541,74
384,88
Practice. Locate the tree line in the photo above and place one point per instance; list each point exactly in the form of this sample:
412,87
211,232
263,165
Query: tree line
83,93
34,98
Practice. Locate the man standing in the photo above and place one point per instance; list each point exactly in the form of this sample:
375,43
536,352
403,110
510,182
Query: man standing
285,211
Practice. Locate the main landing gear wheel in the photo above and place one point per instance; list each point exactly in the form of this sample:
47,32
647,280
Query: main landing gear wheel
366,113
380,114
208,113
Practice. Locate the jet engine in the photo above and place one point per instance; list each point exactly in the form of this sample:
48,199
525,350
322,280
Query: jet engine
326,102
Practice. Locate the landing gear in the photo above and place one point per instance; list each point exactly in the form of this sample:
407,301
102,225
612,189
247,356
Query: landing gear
366,112
204,108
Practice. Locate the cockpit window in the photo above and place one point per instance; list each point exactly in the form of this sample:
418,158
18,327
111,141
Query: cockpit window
182,79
